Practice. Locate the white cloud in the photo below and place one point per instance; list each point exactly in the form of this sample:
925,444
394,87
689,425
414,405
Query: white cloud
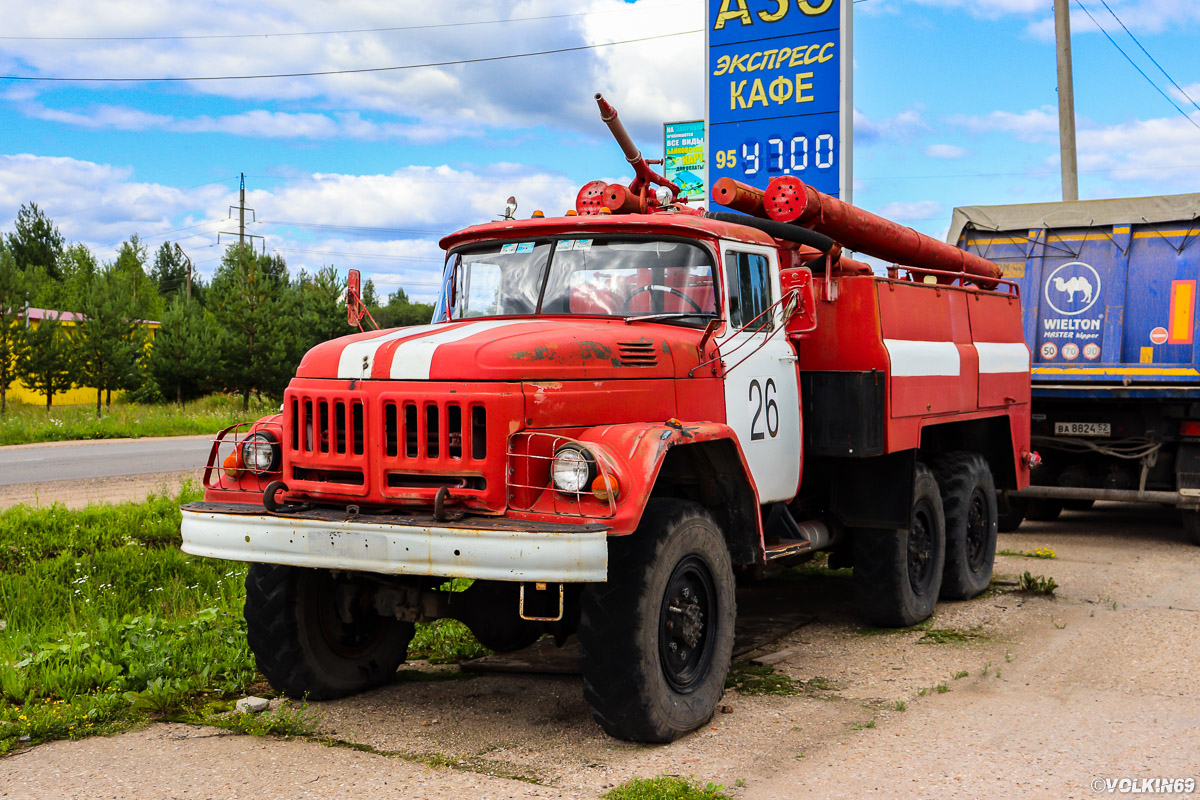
908,211
902,125
450,98
948,151
1159,155
1034,125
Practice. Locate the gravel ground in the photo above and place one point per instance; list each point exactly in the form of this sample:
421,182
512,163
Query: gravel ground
1098,683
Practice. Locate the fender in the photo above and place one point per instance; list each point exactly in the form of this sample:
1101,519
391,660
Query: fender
638,452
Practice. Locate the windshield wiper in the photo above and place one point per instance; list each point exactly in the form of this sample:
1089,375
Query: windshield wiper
670,315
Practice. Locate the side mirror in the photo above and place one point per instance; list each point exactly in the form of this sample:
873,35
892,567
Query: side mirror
354,306
800,311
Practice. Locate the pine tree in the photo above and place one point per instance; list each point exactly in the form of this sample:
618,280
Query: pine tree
36,242
12,328
256,317
109,338
181,356
45,361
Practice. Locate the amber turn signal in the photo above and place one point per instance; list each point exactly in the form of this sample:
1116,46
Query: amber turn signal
606,487
233,464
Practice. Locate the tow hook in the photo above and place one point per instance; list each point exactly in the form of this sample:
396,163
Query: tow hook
439,507
273,507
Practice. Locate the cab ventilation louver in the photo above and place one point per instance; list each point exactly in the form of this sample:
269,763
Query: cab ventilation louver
637,354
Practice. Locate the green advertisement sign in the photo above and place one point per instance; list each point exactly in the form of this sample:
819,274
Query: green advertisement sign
683,157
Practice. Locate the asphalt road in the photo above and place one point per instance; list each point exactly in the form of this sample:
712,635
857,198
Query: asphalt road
65,461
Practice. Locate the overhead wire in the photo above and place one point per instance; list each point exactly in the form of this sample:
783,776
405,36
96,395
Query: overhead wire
1152,58
357,71
1133,63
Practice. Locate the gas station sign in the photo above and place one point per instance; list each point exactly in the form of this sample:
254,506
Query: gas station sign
779,98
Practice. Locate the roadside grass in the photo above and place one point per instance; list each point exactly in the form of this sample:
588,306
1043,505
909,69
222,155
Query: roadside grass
756,679
24,423
1037,552
105,623
1037,585
666,787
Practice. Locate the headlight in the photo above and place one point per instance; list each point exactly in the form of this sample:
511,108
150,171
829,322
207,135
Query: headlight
573,469
260,453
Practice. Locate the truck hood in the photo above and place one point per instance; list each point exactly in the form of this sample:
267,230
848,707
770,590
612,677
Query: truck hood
508,350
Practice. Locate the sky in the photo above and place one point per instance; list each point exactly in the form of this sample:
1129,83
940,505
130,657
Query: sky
954,104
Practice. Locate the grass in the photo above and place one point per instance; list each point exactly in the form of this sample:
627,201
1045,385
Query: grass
947,636
1036,584
107,623
755,679
1037,552
24,424
666,787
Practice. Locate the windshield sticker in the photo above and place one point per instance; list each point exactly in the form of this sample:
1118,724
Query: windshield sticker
583,244
525,247
508,248
564,244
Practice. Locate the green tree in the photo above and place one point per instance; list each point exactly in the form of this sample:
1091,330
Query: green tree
12,329
36,242
255,315
400,311
109,340
76,266
181,357
322,302
131,265
45,361
170,270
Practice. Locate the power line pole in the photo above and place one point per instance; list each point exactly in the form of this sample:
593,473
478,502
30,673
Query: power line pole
1066,101
242,209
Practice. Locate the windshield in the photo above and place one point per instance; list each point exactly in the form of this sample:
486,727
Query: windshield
595,276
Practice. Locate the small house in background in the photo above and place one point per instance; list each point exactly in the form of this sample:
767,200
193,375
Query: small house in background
77,395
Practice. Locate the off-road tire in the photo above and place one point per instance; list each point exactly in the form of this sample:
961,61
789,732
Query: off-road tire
898,574
639,686
969,506
300,643
1191,524
1009,521
1041,509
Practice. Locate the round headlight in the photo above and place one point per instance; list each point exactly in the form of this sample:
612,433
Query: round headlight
259,453
573,469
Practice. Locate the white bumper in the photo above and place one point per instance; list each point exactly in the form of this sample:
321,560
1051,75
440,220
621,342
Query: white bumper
452,552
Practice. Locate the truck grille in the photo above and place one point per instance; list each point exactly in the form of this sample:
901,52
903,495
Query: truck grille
396,444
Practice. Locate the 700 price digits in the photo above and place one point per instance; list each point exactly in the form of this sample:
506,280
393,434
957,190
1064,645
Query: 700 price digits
781,157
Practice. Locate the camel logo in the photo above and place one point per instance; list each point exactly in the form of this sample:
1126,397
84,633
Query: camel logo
1073,288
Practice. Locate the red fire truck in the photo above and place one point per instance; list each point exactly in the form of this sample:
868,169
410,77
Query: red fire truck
614,413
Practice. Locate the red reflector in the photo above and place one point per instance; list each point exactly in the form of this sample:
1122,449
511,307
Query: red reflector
1189,428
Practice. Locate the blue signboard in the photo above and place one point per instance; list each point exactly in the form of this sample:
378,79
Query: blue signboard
779,100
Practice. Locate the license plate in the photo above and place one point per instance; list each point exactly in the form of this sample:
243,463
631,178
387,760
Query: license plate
1082,429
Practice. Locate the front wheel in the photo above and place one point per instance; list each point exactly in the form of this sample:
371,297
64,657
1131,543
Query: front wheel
657,638
315,634
898,574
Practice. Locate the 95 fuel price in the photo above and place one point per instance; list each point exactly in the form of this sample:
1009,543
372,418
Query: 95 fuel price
777,155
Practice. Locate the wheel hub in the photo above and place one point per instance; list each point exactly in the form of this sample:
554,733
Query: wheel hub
685,624
977,530
920,549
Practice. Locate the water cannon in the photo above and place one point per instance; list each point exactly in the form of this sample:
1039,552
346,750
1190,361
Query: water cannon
640,196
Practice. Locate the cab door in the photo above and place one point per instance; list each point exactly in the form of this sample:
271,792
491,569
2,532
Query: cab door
762,394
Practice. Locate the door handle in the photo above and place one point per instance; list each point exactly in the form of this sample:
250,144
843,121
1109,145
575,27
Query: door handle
789,359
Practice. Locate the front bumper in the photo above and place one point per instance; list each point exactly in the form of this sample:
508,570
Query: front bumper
481,548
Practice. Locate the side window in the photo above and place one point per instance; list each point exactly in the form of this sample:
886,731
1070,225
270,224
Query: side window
748,277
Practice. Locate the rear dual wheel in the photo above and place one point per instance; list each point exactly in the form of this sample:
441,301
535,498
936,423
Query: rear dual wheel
969,506
898,574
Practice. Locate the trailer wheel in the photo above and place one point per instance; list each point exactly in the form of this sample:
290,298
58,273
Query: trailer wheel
1191,524
1043,510
318,636
898,574
1008,521
969,505
657,637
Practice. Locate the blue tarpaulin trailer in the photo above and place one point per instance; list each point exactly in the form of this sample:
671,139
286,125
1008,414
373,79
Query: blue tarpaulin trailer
1109,296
